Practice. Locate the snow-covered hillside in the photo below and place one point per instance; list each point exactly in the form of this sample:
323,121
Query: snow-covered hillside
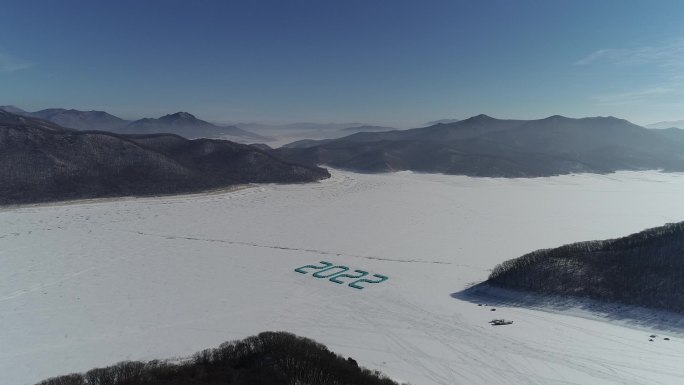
89,284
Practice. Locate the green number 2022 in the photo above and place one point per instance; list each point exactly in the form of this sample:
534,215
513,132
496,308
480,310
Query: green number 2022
336,274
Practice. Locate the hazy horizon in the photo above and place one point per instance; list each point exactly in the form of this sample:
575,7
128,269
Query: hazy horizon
276,123
394,63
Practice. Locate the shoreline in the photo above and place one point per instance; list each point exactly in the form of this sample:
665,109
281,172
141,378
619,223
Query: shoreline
629,316
60,203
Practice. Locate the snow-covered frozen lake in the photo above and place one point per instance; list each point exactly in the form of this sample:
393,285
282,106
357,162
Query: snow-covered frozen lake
90,284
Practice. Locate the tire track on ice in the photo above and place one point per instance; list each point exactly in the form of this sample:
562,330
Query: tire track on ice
277,247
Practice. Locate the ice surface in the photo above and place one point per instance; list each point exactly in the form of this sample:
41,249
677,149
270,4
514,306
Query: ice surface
90,284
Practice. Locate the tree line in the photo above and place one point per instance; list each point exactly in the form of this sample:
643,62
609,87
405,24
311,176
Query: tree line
269,358
644,269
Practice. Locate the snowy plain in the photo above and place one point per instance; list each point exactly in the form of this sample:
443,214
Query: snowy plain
89,284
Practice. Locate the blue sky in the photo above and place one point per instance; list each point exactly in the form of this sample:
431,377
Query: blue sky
391,62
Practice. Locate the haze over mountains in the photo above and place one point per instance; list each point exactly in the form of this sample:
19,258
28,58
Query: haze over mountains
485,146
180,123
292,132
366,128
441,121
667,124
191,127
302,126
42,161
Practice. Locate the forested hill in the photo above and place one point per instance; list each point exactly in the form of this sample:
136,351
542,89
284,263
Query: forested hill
267,359
644,269
485,146
41,161
180,123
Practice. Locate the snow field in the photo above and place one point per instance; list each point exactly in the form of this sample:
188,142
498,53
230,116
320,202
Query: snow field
89,284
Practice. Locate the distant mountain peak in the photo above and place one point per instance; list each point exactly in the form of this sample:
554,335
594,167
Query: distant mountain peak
10,118
610,119
187,125
559,118
184,119
12,109
556,119
480,117
181,115
667,124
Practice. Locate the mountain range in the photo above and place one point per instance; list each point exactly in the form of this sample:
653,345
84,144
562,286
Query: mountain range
42,161
477,146
80,120
180,123
187,125
485,146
